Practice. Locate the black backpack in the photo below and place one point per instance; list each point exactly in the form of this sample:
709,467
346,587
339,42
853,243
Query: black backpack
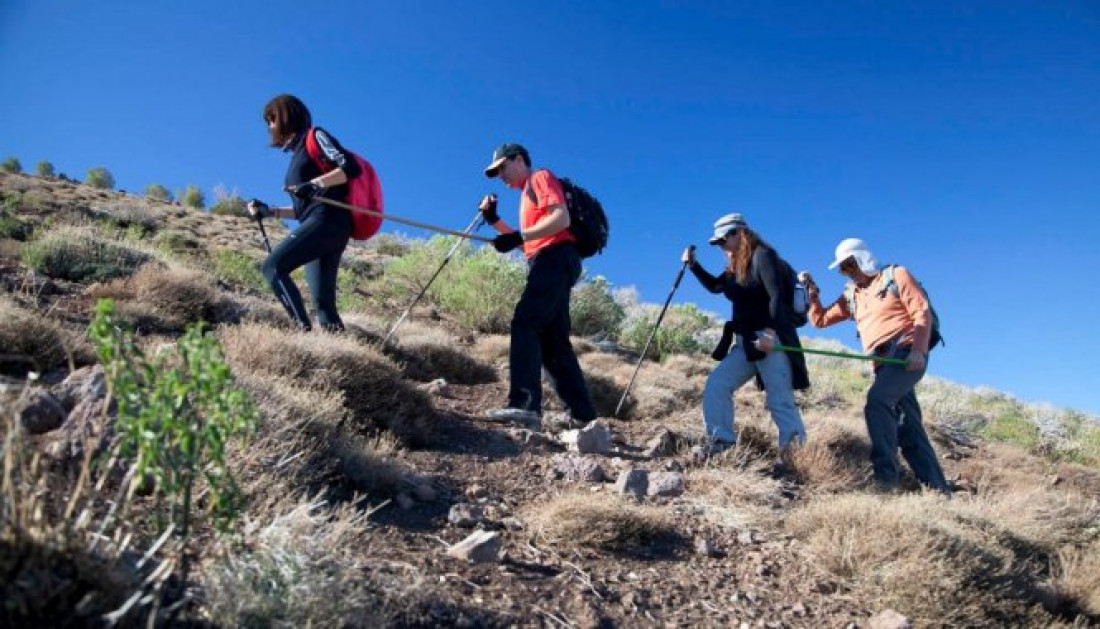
587,220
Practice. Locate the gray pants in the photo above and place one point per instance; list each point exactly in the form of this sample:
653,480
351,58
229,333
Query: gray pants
894,420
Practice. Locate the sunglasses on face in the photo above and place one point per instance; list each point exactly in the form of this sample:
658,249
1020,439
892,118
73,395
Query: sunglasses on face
849,265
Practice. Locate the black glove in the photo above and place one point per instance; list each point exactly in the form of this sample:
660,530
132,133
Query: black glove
260,209
506,242
488,209
304,191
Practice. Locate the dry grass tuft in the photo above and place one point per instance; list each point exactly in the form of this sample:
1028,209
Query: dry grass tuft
657,392
914,555
593,521
426,354
836,455
29,341
159,298
375,394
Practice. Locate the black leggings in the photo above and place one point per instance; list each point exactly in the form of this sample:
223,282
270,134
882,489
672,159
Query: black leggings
316,244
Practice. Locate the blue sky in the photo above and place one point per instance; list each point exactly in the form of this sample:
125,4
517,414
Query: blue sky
961,139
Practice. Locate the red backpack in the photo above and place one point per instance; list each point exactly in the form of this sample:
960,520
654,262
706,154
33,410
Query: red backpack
364,191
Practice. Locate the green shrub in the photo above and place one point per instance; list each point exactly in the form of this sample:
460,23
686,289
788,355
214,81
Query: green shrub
12,227
594,311
478,288
174,241
176,415
11,165
157,192
231,206
238,269
44,169
78,255
679,332
1010,424
192,197
100,177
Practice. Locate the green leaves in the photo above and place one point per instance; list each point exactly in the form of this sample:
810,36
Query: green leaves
176,413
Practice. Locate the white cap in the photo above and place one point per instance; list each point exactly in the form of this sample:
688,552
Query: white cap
857,249
725,225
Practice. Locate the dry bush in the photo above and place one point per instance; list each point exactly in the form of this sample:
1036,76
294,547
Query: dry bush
735,491
235,308
159,298
374,391
491,348
1076,578
427,354
836,455
657,392
306,567
911,554
593,521
29,341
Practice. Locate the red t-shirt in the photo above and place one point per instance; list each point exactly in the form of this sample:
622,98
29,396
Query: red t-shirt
542,192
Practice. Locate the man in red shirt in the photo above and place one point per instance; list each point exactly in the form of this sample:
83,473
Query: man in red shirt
893,321
540,325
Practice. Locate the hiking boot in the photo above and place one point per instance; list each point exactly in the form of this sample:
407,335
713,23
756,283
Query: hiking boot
562,421
710,449
520,416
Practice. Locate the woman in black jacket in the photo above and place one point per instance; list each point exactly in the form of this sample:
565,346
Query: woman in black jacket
756,281
319,241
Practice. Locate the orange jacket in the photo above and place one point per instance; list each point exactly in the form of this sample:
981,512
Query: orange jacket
880,315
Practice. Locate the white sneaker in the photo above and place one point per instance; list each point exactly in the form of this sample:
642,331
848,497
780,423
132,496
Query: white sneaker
515,416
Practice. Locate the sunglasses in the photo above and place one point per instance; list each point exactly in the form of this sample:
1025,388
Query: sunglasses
849,265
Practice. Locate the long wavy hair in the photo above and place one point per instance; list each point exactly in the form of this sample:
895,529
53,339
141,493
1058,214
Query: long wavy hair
290,116
740,261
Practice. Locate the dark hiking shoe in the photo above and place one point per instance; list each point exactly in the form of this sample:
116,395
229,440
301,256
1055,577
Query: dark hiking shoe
520,416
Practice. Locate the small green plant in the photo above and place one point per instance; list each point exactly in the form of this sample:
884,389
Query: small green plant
176,415
238,269
679,332
157,192
593,311
44,169
11,165
1011,425
79,255
178,242
100,177
228,203
12,227
192,197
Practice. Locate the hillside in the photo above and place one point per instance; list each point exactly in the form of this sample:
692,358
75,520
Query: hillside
369,462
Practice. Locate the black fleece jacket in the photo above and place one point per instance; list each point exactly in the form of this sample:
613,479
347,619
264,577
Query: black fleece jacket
762,301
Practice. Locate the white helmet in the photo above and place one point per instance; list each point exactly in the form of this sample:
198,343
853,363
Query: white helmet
857,249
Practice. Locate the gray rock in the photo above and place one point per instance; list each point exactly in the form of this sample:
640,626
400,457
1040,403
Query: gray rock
479,547
86,426
512,524
595,438
705,548
571,467
667,484
889,619
748,538
530,437
465,515
633,483
82,384
39,411
437,387
663,444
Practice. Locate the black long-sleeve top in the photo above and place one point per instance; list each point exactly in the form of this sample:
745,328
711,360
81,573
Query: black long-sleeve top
762,301
303,169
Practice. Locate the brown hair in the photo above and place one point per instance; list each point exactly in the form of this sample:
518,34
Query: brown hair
290,116
741,260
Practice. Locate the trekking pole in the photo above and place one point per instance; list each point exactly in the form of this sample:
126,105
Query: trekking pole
263,232
398,219
660,317
822,352
474,225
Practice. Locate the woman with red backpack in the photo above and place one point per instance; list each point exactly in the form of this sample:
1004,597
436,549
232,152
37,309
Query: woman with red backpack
320,168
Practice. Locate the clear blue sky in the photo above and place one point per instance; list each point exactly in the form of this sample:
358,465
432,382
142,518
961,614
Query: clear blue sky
959,138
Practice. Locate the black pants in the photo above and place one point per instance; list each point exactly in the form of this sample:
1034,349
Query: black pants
317,244
540,336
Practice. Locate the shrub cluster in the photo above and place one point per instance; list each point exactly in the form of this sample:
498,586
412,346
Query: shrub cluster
100,177
11,165
593,310
79,254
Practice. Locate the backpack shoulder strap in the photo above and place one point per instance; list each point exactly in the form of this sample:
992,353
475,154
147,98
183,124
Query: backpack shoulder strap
850,298
314,149
889,284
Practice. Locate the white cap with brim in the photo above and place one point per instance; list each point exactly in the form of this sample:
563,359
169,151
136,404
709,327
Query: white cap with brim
725,225
859,251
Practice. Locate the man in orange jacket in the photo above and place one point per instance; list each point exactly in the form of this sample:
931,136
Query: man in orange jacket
894,320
